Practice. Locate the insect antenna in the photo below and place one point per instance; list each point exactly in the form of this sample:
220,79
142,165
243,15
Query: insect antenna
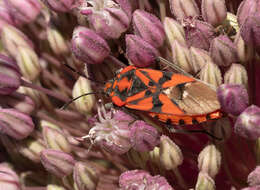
74,99
82,74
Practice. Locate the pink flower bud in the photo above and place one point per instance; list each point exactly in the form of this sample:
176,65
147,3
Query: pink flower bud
15,124
247,8
5,16
88,46
230,101
19,101
140,52
148,27
24,11
214,12
140,179
253,178
9,180
199,58
57,162
110,133
245,51
106,17
199,34
250,30
184,9
60,5
174,30
252,188
143,136
10,77
223,51
247,124
85,176
236,74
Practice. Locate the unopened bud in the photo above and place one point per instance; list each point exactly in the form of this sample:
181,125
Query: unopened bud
57,162
12,38
209,160
148,27
214,12
56,41
88,46
86,103
223,51
253,178
211,74
199,34
154,156
247,8
15,124
33,94
9,180
24,11
199,58
184,9
205,182
19,101
181,56
31,149
60,5
245,51
257,150
10,77
5,16
233,98
85,176
28,63
170,154
250,30
55,139
143,136
174,30
138,159
236,74
140,52
55,187
248,123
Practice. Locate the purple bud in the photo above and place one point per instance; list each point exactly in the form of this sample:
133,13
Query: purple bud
143,136
15,124
19,101
199,58
214,12
246,8
250,30
148,27
247,123
24,11
199,34
253,178
140,52
85,176
10,77
57,162
184,9
88,46
5,17
230,101
110,133
60,5
107,18
223,51
139,179
245,51
236,74
9,180
252,188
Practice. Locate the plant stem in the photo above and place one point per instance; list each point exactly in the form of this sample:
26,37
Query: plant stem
46,91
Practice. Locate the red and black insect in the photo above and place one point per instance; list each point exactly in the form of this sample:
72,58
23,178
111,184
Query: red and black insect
172,98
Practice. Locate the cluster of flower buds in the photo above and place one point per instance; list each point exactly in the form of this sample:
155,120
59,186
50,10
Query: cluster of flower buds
59,54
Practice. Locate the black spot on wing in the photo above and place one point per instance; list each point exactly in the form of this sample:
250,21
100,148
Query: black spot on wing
129,75
169,122
181,122
157,104
166,76
122,95
194,121
137,86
